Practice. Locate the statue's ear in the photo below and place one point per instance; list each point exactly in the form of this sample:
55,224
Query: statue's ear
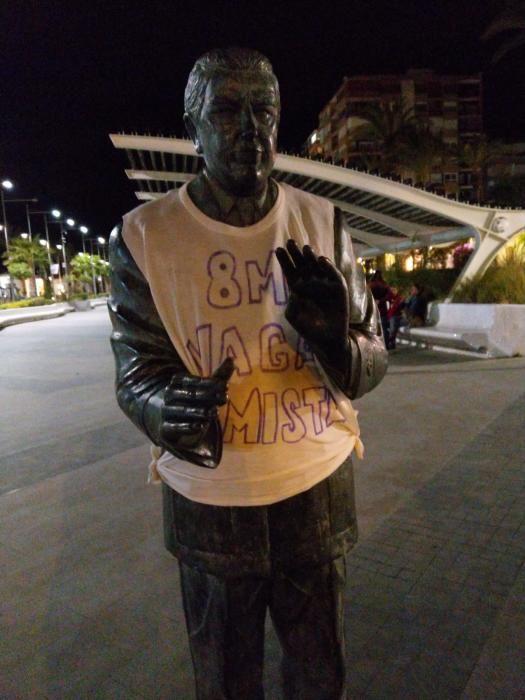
192,131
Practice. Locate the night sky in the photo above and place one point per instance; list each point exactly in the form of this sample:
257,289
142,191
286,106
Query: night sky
72,72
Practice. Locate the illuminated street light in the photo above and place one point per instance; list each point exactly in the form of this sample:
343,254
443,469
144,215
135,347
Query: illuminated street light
56,213
84,230
6,185
24,235
101,241
9,185
43,242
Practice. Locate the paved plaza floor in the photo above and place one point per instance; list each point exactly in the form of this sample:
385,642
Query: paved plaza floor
436,586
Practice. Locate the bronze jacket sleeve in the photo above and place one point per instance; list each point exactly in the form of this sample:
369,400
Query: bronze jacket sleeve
144,355
366,359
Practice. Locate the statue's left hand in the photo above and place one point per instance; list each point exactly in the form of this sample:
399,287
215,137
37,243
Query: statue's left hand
318,304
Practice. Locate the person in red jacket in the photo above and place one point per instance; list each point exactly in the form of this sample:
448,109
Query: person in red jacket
395,308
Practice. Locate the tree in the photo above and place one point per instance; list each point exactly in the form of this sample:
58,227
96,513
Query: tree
25,258
19,270
386,124
475,156
510,19
84,271
420,151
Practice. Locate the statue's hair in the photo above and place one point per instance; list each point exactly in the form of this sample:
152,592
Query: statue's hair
223,61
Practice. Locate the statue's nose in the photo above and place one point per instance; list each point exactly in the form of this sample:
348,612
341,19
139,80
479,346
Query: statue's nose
248,120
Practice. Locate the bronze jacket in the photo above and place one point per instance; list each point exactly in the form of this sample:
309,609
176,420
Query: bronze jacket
146,359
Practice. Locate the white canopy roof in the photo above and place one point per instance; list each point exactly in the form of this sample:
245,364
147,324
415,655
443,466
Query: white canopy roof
383,215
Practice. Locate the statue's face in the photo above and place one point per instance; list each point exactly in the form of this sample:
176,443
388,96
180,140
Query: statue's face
237,131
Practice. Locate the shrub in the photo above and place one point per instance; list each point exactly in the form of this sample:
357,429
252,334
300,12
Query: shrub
439,281
23,303
502,283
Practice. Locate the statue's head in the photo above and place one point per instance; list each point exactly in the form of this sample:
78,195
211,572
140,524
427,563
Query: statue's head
232,110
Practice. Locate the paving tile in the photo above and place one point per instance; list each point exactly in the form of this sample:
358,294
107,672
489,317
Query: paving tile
104,690
153,671
61,663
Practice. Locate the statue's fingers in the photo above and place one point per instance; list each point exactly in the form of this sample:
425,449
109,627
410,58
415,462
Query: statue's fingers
295,253
310,262
185,381
328,270
225,370
178,413
179,394
287,266
180,379
206,392
171,432
212,392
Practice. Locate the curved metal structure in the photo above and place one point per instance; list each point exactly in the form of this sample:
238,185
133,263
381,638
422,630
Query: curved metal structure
383,215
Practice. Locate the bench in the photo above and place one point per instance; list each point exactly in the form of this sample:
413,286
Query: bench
489,330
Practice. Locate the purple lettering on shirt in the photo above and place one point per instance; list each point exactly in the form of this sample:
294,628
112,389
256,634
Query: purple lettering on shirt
232,346
238,419
269,418
332,413
314,398
259,281
224,291
202,353
295,429
304,354
273,348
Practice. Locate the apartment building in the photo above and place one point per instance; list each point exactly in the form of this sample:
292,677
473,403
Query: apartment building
450,105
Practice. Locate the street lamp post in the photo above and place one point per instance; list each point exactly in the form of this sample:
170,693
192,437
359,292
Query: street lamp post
45,214
93,276
26,202
30,233
63,234
62,247
84,230
5,185
101,242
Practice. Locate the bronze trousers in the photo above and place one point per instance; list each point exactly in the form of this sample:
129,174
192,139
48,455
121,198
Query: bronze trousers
288,559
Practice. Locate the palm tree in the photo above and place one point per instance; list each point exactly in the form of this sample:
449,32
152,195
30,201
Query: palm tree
510,19
420,151
475,156
386,124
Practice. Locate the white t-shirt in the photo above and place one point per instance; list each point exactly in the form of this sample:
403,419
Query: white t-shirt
220,292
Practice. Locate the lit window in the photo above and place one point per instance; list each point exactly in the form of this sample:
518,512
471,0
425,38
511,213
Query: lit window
409,263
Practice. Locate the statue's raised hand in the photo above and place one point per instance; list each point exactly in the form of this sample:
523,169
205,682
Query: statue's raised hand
318,304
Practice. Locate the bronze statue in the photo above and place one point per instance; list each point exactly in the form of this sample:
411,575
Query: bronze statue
238,344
